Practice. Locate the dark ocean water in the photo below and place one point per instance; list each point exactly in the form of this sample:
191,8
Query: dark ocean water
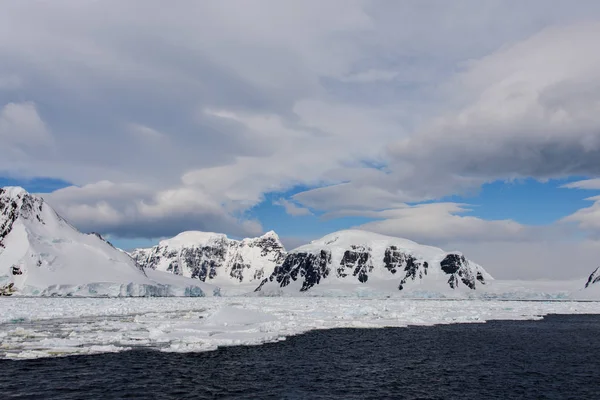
557,358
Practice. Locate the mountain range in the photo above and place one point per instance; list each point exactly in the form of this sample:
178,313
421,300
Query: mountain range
41,254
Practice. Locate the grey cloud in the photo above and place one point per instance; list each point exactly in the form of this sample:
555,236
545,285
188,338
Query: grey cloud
132,210
525,121
291,242
225,102
543,259
21,125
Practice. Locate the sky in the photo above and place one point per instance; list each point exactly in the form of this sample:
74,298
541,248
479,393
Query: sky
472,125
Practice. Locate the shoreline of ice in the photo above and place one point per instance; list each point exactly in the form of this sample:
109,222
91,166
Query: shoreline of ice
48,327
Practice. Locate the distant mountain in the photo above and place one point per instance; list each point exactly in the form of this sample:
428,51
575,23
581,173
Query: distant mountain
42,254
359,257
594,278
213,257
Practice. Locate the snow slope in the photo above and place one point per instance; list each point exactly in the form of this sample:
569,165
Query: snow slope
42,254
213,257
369,260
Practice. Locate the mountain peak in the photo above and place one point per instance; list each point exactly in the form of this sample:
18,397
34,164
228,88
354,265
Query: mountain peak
191,238
15,202
355,257
270,234
213,256
356,237
13,191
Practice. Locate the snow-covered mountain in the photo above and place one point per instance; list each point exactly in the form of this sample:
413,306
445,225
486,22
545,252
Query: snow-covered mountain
594,278
213,257
359,257
42,254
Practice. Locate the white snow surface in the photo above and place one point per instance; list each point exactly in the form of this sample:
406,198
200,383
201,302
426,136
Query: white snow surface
43,255
47,327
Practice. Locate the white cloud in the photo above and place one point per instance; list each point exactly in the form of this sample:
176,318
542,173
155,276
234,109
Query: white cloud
292,209
440,223
588,219
349,196
590,184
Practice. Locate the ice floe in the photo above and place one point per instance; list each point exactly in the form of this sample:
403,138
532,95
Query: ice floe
46,327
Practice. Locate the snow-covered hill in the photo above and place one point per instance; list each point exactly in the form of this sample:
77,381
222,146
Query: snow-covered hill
373,260
213,257
42,254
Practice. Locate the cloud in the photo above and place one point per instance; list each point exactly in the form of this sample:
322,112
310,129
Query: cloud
10,82
21,125
555,259
145,133
185,117
372,75
591,184
440,223
133,210
291,243
348,196
587,219
536,113
291,208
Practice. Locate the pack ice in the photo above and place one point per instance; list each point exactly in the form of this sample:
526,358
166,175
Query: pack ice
41,254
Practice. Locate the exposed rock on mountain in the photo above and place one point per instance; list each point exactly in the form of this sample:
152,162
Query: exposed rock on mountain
42,254
359,257
213,257
594,278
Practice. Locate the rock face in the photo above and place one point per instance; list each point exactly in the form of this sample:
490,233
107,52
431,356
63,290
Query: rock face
354,256
213,257
309,267
42,254
594,278
17,203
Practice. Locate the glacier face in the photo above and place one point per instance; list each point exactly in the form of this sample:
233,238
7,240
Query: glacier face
41,254
213,257
360,257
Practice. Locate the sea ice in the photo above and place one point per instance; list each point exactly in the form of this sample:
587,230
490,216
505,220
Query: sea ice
46,327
